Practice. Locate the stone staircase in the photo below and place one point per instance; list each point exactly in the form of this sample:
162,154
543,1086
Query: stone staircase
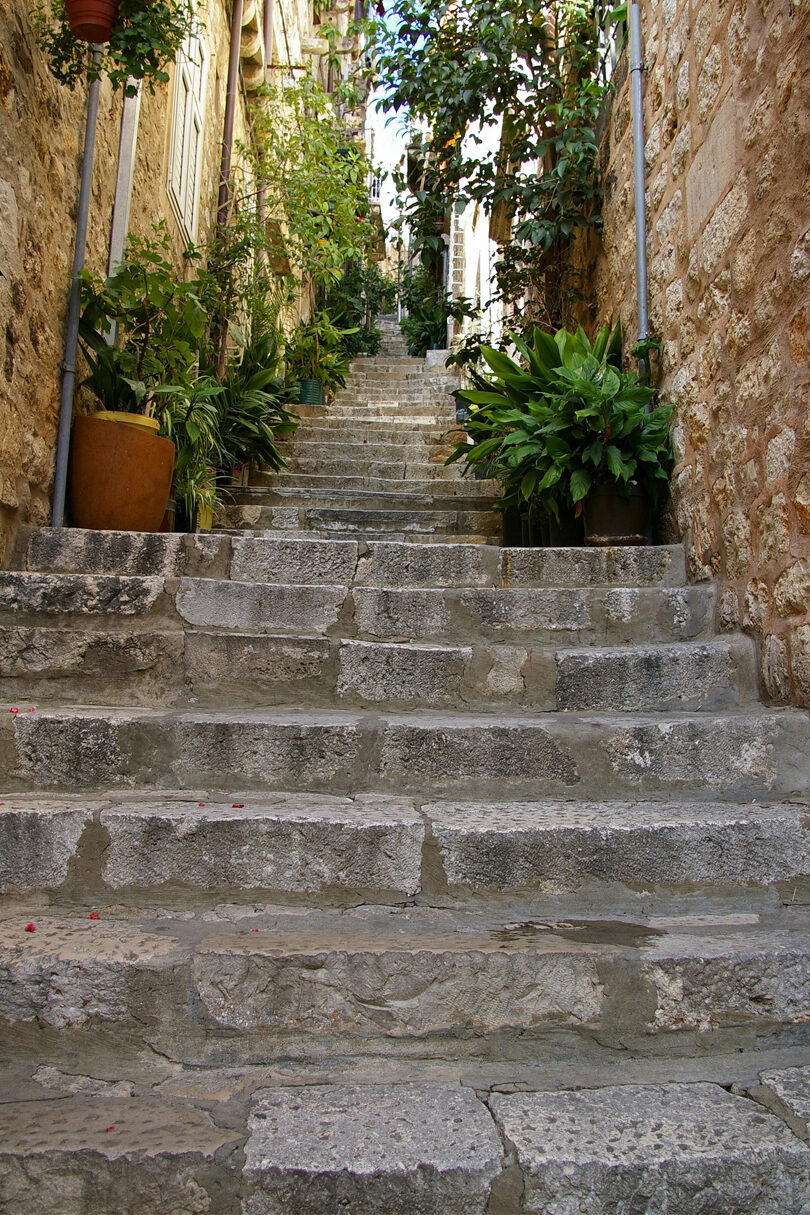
345,874
372,463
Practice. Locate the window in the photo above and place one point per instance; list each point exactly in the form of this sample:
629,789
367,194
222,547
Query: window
185,143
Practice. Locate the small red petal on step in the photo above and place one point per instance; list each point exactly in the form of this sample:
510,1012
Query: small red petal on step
93,915
110,1128
200,803
32,709
30,928
14,709
238,806
254,930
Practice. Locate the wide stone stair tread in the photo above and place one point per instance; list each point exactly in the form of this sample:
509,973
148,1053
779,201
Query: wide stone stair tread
742,755
388,1145
254,669
233,985
156,845
393,564
315,484
436,498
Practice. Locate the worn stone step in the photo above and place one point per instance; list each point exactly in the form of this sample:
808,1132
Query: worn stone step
257,669
465,487
350,498
148,847
396,469
211,990
344,449
96,1154
593,616
675,1148
364,521
384,564
730,756
329,430
378,1144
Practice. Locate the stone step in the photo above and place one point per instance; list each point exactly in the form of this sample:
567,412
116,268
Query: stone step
393,428
365,522
602,857
410,470
324,438
385,564
593,616
367,1141
349,498
728,756
412,451
262,668
466,487
97,1154
241,984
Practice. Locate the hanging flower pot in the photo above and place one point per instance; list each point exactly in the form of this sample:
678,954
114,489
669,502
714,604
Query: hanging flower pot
92,20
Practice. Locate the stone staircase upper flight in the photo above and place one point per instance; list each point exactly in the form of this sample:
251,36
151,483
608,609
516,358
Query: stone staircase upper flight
353,863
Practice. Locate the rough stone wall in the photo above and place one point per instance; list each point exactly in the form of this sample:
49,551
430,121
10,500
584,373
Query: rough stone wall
41,139
727,95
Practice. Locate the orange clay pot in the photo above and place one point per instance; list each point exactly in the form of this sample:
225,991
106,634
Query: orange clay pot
92,20
120,476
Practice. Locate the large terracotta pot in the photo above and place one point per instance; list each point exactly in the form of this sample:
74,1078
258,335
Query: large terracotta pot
613,520
120,477
92,20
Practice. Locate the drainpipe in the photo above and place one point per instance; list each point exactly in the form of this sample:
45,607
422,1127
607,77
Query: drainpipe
267,26
72,334
636,68
230,113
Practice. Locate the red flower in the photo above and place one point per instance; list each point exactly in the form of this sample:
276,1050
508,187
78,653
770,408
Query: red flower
30,928
238,806
93,915
14,709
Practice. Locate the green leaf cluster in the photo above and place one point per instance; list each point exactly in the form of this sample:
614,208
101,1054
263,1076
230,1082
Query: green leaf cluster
427,310
563,418
355,301
144,41
316,350
159,364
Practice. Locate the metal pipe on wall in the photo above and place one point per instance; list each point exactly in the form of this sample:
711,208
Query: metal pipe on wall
74,304
637,96
230,112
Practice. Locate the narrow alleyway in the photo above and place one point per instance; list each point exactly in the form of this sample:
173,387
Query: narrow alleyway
355,863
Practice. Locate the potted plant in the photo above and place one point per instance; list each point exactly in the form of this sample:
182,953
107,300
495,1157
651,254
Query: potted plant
315,358
121,465
568,431
141,39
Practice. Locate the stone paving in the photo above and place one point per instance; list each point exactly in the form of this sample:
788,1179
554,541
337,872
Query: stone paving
348,873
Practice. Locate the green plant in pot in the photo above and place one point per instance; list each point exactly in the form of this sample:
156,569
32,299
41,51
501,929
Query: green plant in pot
139,331
567,432
253,408
142,39
316,357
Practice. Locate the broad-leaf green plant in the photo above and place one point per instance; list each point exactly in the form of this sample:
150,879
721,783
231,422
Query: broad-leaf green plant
565,418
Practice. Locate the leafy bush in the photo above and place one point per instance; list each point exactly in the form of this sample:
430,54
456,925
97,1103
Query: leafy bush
353,303
565,419
144,41
428,310
316,351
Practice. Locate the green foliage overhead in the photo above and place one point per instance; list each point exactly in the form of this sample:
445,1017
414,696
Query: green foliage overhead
313,177
429,308
144,41
529,69
353,303
564,418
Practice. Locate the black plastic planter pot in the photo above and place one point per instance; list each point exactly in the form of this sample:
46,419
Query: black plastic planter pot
613,520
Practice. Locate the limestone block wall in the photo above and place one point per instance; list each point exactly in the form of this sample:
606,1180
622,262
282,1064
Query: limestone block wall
41,139
727,95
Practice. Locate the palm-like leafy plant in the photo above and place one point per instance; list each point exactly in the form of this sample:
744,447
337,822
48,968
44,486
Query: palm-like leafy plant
566,419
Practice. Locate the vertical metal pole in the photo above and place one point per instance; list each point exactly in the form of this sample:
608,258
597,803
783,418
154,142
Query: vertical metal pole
636,68
72,335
